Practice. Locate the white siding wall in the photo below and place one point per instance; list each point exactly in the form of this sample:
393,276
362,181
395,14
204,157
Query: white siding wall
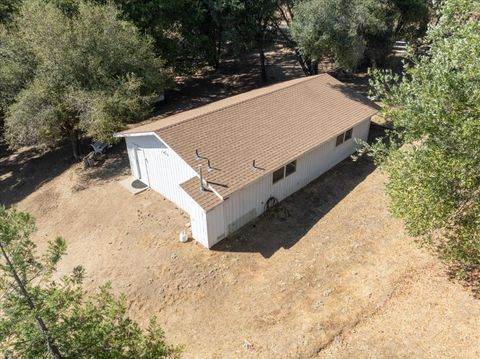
166,171
243,206
215,224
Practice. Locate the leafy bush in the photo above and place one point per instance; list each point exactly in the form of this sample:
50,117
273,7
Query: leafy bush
433,159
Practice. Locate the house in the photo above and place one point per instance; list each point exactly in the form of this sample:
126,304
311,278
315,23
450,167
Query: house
222,162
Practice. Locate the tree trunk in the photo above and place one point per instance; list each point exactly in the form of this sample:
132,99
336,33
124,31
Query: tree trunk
399,28
293,45
52,348
262,64
75,145
314,64
218,51
302,63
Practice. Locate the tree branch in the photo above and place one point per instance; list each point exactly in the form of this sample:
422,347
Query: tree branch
52,348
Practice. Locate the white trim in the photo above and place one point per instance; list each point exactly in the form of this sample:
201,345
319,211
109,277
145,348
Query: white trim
214,191
134,134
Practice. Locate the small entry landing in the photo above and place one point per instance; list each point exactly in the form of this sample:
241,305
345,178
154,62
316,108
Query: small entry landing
133,185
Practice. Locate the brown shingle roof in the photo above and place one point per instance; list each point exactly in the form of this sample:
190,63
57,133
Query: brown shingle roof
207,199
272,125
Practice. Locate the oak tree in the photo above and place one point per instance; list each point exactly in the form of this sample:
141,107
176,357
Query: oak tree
66,74
432,160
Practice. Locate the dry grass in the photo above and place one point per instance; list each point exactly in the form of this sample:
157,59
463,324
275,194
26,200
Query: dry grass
337,278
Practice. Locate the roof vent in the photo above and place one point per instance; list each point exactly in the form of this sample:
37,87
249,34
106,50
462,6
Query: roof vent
202,186
210,167
255,167
198,157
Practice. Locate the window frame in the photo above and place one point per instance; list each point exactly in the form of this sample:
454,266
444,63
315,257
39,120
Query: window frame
291,164
275,180
340,139
348,133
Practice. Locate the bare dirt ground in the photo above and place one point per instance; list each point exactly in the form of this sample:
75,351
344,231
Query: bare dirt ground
338,278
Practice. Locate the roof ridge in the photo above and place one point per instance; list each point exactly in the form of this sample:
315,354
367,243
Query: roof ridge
305,79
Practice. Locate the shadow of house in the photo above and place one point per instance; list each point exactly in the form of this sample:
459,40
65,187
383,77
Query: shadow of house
305,208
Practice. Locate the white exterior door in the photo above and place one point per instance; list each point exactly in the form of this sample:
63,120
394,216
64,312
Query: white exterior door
142,170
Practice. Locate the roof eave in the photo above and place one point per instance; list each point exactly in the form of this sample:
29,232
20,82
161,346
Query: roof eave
133,134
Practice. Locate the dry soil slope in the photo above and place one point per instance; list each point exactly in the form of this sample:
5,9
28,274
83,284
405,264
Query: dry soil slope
339,278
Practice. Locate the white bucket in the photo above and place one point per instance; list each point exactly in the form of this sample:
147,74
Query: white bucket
183,236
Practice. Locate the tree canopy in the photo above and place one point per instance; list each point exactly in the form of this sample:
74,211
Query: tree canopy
351,31
43,317
82,71
7,9
432,160
73,68
185,32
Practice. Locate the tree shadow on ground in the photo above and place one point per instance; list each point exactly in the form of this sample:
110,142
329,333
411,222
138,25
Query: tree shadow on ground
113,163
357,84
467,275
355,96
305,208
25,170
235,76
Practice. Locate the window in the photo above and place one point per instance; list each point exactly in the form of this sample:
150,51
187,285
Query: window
344,137
291,168
285,171
278,174
348,134
339,140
